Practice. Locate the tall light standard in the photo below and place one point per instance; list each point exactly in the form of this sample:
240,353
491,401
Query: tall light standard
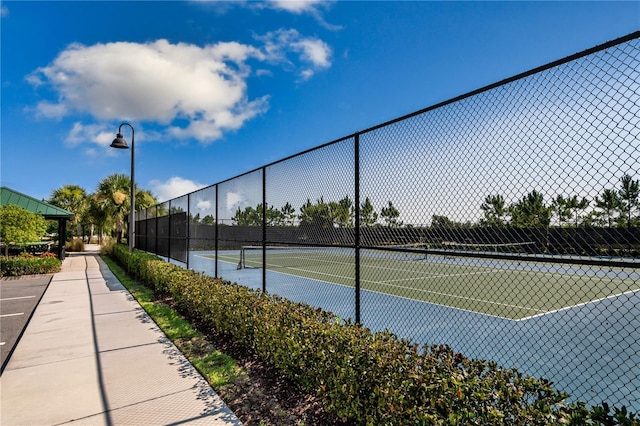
120,143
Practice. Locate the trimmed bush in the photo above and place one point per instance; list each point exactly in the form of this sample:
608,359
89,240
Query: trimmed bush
29,265
365,378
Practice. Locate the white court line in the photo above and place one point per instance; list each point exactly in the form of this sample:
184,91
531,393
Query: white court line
11,315
424,291
16,298
335,262
393,295
389,295
467,298
442,276
388,282
566,308
541,312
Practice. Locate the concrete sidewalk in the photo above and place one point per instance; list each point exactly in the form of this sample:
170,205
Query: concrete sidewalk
91,355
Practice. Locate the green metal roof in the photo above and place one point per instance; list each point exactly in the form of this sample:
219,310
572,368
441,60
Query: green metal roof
49,211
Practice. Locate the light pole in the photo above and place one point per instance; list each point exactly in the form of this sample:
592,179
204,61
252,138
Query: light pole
120,143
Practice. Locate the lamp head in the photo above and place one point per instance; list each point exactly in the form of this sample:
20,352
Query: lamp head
119,142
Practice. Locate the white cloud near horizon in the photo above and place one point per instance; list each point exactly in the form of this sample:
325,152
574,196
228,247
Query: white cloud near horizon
175,187
169,84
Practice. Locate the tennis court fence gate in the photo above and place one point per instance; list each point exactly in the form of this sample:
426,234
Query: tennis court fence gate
504,222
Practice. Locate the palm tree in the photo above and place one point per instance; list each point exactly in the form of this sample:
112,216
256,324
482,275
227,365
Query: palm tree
112,202
98,216
112,197
74,199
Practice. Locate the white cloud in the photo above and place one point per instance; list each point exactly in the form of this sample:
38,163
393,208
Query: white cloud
173,188
203,205
233,200
263,72
98,134
314,53
157,82
169,84
299,7
296,6
51,110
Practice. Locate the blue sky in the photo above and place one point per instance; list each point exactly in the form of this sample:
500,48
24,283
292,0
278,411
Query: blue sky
217,89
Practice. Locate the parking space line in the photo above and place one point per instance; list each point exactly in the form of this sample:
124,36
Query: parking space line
17,298
11,315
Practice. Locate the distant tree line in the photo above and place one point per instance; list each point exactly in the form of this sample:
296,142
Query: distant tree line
321,214
613,207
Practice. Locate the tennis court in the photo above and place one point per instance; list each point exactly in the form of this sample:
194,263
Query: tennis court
504,288
545,319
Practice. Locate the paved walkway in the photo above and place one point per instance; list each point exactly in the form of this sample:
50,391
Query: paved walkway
91,355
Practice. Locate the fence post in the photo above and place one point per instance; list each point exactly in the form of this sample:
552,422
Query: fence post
157,238
169,234
216,236
356,168
264,229
188,236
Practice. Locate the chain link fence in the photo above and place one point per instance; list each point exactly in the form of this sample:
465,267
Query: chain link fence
504,223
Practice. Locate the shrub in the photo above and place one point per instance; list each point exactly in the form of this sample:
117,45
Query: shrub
27,264
365,378
106,248
74,245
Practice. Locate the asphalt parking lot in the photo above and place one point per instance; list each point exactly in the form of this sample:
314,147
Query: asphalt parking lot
19,297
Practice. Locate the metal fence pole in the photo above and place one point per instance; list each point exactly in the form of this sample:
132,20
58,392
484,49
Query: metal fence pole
216,236
356,168
157,236
264,229
188,226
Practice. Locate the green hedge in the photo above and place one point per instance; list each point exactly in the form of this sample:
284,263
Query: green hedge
30,265
365,378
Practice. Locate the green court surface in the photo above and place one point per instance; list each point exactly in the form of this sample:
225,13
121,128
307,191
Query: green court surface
507,289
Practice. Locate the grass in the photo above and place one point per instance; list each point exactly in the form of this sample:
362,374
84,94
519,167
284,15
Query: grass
217,368
507,289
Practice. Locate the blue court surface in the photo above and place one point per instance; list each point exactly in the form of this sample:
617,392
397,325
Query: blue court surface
590,350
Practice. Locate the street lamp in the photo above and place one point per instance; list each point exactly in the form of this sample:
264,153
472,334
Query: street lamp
120,143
